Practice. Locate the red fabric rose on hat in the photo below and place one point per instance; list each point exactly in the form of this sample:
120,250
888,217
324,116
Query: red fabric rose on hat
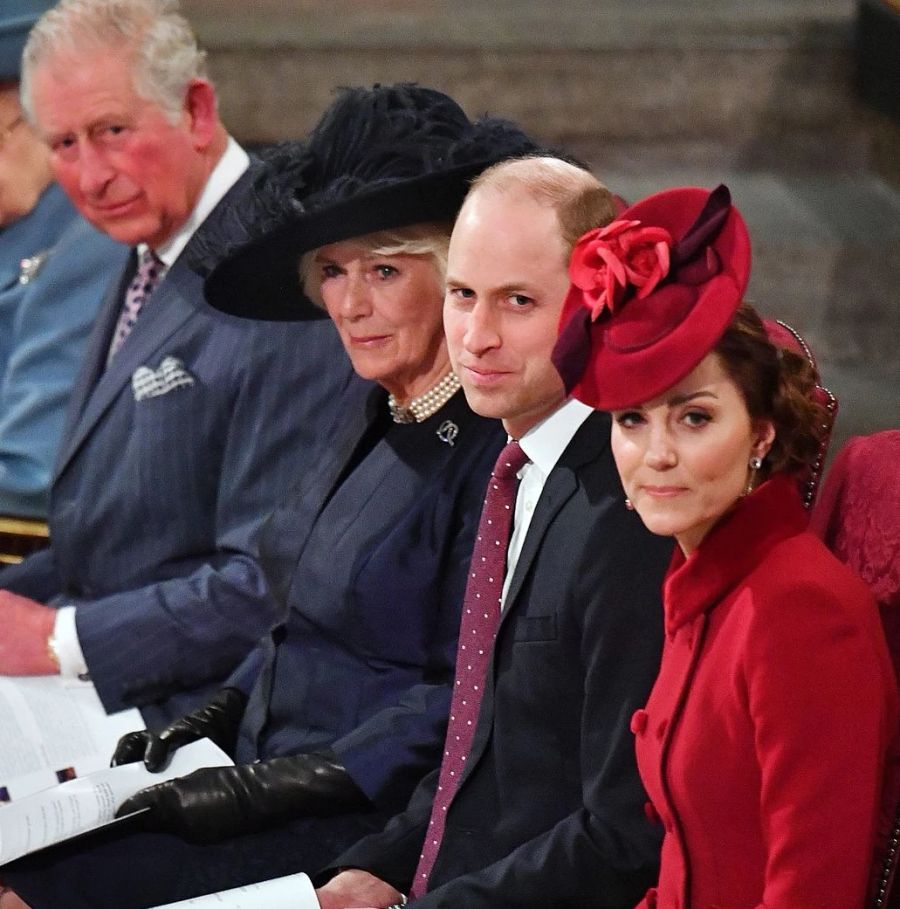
609,260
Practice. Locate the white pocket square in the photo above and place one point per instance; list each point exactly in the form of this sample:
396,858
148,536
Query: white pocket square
151,383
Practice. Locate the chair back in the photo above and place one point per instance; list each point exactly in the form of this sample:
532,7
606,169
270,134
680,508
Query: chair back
20,537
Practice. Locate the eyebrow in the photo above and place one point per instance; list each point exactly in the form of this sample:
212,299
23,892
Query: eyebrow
517,287
683,399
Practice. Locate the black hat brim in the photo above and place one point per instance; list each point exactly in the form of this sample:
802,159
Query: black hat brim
261,280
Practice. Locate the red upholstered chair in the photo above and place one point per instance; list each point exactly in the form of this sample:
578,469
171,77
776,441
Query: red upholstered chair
858,517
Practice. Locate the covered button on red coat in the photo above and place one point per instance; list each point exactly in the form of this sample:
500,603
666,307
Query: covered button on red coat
639,721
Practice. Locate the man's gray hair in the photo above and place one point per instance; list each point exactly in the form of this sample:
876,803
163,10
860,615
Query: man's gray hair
166,57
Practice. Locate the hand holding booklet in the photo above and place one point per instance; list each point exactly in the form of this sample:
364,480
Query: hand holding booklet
55,731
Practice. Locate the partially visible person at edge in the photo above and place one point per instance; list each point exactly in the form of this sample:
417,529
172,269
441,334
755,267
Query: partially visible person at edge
368,554
857,516
185,427
543,806
763,743
54,268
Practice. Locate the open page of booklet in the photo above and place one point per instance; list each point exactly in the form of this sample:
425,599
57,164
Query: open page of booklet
56,741
54,729
292,892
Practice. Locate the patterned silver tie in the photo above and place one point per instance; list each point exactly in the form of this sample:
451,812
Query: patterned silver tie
150,272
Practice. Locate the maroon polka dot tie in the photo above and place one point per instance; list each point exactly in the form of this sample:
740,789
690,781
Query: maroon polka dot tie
149,273
480,618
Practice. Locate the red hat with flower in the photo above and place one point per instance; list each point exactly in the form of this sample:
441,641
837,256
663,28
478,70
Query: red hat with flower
651,294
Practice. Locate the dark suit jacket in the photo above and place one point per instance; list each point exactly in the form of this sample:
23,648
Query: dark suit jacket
371,566
550,810
156,503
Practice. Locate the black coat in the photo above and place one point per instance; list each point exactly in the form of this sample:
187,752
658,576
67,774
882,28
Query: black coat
370,564
550,812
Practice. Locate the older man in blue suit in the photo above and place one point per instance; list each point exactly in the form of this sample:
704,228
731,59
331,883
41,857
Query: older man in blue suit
186,425
54,268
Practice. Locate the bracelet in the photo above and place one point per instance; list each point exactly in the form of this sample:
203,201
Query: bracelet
53,649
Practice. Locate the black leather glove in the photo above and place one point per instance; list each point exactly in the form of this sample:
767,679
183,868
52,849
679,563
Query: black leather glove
212,804
219,720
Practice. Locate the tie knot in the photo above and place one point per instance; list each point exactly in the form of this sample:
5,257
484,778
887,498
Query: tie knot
510,461
150,266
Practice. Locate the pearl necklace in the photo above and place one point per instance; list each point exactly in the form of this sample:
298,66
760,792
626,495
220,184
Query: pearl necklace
421,408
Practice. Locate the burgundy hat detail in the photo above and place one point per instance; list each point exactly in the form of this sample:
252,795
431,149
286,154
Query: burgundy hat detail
651,294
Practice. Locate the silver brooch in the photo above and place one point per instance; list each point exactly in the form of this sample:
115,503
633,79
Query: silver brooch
448,431
29,267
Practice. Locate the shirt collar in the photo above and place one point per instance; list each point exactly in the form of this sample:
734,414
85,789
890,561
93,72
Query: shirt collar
225,174
545,442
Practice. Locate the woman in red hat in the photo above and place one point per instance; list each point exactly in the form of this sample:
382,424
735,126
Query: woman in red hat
763,743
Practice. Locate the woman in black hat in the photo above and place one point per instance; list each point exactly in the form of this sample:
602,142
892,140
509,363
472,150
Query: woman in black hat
335,719
763,742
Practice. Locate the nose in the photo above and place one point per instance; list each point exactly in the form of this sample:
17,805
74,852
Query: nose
481,332
660,453
356,301
94,174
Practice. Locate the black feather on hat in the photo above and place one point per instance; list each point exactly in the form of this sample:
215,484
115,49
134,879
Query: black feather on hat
380,158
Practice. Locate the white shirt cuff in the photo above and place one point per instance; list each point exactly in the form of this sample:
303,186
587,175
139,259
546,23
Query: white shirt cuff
68,650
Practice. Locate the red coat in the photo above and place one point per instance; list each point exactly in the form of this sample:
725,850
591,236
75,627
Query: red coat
762,744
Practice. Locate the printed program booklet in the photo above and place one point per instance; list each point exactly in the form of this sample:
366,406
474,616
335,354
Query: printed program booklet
292,892
56,741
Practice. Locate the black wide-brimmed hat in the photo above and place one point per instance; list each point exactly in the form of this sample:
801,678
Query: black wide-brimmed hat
380,158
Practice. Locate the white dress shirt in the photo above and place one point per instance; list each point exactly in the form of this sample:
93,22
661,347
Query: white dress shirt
229,169
544,445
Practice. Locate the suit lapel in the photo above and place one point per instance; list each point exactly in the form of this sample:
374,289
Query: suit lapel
354,419
95,357
558,489
587,443
166,312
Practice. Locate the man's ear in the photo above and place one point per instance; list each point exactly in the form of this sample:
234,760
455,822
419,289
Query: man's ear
200,107
764,436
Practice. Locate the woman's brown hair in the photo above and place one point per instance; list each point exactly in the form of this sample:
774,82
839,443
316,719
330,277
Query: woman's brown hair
777,385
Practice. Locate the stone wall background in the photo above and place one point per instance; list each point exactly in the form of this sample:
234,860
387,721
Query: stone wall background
756,93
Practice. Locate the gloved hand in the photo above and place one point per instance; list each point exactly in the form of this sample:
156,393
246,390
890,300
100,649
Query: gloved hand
212,804
219,720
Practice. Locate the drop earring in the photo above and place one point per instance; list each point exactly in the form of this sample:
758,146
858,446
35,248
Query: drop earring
754,464
628,504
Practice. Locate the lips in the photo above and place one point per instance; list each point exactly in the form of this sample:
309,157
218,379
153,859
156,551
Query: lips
368,340
482,376
663,492
108,210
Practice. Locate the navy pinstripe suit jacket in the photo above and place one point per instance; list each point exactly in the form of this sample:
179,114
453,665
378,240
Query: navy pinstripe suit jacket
156,503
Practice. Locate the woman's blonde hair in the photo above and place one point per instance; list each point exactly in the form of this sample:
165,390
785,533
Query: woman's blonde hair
430,240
